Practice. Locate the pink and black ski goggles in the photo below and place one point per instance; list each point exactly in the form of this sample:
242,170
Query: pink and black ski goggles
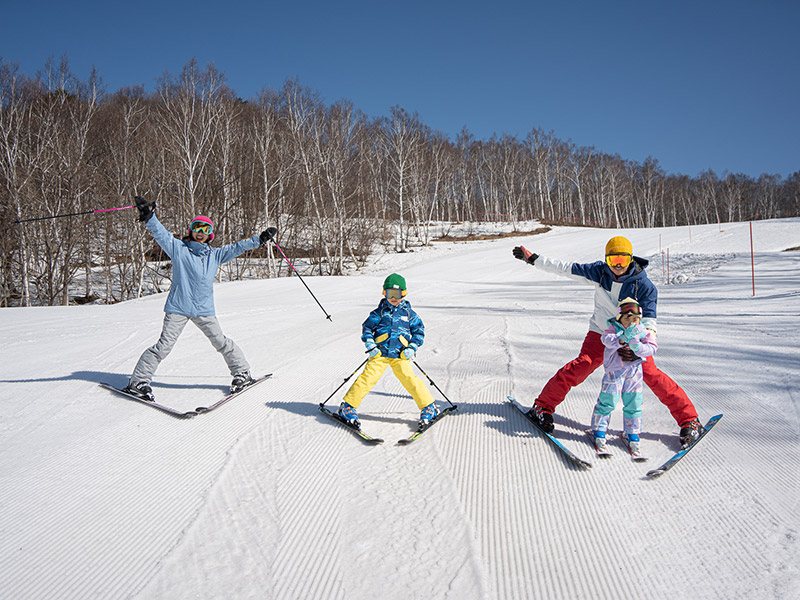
629,308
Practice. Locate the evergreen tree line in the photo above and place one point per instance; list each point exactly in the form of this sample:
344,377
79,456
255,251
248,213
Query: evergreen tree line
338,184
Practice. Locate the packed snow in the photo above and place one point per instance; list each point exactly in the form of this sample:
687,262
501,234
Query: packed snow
104,497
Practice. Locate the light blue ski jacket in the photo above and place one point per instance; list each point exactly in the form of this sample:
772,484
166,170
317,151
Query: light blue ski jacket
194,266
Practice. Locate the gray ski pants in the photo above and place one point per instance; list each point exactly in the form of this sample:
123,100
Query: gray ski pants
173,326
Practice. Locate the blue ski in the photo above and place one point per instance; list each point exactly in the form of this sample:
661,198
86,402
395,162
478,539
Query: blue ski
681,453
566,451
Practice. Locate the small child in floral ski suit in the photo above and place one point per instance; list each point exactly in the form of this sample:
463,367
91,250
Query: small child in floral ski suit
623,378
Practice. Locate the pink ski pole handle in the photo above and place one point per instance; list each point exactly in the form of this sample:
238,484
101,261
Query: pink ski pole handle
118,208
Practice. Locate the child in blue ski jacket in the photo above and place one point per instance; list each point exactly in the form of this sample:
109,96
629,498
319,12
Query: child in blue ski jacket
191,296
392,334
623,377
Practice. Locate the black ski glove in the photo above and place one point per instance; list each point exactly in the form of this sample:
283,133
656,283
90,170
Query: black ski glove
145,208
522,253
625,353
267,235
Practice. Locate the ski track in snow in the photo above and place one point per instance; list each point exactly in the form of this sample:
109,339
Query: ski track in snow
267,498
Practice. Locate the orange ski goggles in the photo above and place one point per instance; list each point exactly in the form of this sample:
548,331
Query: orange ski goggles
618,260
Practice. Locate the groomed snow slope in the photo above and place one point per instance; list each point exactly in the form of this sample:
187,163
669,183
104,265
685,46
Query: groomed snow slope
101,497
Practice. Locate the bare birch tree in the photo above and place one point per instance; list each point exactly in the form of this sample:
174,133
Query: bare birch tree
187,122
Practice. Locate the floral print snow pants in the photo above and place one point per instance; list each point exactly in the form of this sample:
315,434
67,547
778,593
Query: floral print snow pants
626,384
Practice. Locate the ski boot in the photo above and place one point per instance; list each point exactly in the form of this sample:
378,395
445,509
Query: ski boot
241,381
141,390
600,441
427,415
690,432
542,416
632,440
349,414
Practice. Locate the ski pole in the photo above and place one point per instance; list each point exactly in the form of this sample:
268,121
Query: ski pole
86,212
345,381
434,384
303,282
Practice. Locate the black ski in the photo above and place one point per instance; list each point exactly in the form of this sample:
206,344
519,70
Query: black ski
335,416
178,413
566,451
204,409
421,430
681,453
167,409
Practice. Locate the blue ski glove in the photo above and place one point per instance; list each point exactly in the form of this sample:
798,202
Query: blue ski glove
634,332
408,353
372,349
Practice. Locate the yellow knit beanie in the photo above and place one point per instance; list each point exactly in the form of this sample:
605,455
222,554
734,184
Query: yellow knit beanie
619,245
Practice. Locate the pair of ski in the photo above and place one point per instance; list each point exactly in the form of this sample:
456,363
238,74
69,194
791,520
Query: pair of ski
671,462
189,413
605,452
373,440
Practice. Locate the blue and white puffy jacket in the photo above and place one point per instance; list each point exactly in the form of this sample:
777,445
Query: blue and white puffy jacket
194,266
610,289
393,328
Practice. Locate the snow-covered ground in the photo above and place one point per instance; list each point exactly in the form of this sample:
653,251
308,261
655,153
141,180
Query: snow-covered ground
101,497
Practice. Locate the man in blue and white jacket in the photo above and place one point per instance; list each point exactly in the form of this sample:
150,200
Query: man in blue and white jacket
619,276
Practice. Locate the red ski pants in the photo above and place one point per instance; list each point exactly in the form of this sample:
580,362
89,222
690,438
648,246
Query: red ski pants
591,357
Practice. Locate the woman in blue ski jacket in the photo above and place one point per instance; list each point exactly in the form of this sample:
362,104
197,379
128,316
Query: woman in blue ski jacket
191,296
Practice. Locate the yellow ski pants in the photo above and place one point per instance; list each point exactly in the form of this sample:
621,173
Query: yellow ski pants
402,369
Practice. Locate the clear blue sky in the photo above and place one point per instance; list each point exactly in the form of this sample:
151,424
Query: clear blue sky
696,84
